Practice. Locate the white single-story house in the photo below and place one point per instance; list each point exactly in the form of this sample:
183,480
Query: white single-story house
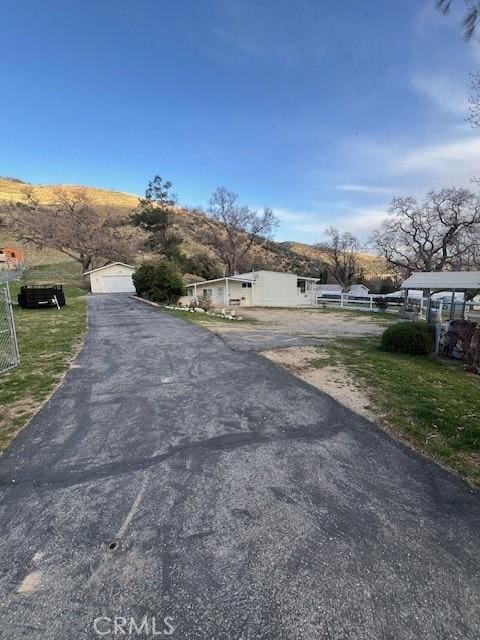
335,291
115,277
256,288
359,290
325,289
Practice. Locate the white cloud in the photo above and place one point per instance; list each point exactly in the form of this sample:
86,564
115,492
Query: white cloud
362,221
445,94
443,164
414,169
367,189
311,226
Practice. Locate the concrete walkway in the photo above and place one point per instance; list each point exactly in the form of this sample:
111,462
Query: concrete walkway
238,502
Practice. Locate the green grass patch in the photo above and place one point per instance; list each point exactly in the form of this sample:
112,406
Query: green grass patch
66,272
433,403
48,339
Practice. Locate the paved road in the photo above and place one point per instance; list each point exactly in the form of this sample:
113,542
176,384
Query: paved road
243,504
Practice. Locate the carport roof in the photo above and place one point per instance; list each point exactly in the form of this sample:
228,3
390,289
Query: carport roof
443,280
110,264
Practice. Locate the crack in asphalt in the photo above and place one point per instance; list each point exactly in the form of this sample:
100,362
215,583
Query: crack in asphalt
68,477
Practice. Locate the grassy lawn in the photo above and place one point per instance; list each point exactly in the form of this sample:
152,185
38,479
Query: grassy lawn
432,404
48,339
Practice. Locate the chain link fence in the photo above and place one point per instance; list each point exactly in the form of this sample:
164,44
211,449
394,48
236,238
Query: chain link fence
9,355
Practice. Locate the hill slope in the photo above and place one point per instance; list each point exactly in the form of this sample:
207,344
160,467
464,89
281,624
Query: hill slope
281,256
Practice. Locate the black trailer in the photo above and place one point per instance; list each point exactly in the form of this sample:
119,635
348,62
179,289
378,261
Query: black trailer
33,296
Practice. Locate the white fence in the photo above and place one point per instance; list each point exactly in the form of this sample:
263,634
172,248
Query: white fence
9,355
368,303
363,302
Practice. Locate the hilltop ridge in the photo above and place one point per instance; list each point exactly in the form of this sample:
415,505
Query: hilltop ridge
297,257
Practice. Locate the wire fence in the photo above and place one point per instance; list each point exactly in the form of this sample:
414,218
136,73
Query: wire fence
9,354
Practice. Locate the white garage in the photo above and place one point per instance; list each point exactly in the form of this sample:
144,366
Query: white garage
112,278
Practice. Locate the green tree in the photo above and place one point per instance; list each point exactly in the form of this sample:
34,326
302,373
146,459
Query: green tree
159,281
154,216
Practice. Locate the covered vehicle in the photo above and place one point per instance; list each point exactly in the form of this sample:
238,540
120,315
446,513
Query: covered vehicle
33,296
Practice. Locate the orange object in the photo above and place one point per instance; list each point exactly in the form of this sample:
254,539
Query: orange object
11,256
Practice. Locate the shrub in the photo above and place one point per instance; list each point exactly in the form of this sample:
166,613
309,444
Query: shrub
381,304
415,338
205,303
159,281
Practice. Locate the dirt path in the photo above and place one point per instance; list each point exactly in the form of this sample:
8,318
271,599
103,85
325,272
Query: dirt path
336,381
315,322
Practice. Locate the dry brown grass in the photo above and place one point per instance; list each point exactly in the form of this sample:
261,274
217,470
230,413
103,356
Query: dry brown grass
115,201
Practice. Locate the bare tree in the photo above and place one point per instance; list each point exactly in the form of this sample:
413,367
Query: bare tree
342,249
240,228
70,224
440,233
471,17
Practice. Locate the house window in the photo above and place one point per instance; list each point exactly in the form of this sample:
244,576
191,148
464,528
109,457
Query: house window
302,285
246,285
207,293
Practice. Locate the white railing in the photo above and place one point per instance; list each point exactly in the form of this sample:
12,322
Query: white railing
349,300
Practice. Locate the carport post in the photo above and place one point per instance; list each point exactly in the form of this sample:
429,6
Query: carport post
452,305
429,304
225,302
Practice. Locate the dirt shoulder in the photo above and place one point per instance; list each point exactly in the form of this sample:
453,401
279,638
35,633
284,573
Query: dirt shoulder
312,322
336,381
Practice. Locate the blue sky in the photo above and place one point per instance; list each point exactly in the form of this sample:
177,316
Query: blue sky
321,110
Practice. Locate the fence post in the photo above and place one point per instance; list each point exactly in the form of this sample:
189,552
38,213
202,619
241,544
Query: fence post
341,299
11,323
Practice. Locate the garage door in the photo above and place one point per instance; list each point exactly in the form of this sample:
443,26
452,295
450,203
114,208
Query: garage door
118,284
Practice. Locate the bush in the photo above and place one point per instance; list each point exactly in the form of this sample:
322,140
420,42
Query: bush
205,303
415,338
159,281
381,304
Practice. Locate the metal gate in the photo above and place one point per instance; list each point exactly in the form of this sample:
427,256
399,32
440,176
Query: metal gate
9,355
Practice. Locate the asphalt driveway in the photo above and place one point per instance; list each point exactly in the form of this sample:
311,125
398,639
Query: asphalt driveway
241,504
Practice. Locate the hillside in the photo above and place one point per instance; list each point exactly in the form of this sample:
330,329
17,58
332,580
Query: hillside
282,256
116,202
371,265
